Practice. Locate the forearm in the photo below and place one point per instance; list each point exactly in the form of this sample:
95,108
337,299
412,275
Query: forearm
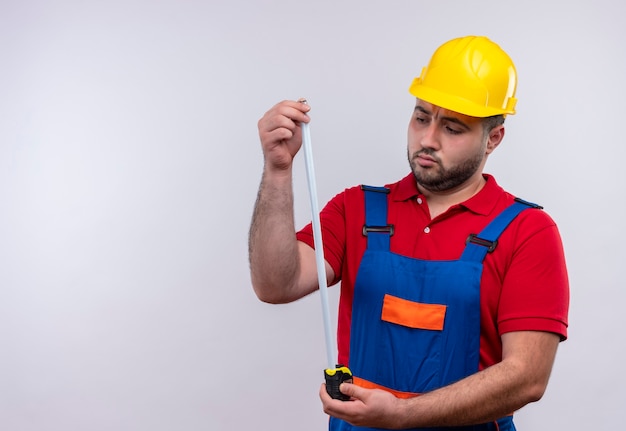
497,391
520,378
483,397
272,245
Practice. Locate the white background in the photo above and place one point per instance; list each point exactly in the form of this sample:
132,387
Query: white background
129,165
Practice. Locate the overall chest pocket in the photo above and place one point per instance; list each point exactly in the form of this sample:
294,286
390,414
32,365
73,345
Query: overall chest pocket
413,314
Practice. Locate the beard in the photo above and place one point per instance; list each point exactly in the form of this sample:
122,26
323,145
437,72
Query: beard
440,178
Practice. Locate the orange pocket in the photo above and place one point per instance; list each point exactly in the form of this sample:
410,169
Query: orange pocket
413,314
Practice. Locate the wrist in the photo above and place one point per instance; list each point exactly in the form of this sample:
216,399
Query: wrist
273,174
407,414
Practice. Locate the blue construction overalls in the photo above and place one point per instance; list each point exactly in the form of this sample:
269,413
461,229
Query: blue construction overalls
416,323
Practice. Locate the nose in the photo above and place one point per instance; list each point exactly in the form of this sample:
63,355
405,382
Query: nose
429,136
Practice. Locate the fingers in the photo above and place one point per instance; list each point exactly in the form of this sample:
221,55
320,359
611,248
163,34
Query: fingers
345,410
373,408
282,120
353,391
330,404
280,132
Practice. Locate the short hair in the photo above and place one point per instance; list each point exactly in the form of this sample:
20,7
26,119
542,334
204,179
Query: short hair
490,122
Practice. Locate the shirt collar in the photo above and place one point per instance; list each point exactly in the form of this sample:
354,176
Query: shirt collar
482,202
406,189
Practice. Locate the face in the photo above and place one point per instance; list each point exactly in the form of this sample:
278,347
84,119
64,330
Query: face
447,150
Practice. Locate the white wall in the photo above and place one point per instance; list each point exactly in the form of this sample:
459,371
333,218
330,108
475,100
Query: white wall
129,165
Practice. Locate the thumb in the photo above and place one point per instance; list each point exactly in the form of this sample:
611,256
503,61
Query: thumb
352,390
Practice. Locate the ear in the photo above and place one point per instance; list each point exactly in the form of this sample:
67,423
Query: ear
495,137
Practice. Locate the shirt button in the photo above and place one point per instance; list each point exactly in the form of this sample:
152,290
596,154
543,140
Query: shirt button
426,229
419,200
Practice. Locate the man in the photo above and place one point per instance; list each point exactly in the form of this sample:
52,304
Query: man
454,294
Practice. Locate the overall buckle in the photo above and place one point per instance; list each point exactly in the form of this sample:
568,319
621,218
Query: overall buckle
475,239
378,229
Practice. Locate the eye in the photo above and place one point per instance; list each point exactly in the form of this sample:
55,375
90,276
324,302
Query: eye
453,130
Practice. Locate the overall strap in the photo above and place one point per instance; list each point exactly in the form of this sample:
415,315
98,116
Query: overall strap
477,246
376,228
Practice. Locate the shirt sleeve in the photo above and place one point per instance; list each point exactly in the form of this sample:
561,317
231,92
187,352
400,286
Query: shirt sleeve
535,291
332,219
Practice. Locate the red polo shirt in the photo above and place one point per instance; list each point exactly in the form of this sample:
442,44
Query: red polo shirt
524,284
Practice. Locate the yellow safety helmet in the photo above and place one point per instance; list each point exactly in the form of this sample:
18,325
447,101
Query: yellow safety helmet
471,75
